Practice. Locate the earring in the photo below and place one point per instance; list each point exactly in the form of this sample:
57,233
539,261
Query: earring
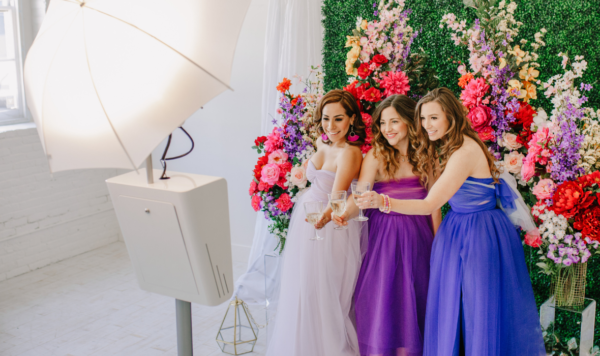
324,137
352,137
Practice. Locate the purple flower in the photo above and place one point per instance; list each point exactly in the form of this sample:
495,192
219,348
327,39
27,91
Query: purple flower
567,261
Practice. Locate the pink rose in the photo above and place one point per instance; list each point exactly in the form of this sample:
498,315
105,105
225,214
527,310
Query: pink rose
510,141
299,177
528,170
270,173
256,202
513,162
533,238
544,189
480,117
278,157
253,187
474,92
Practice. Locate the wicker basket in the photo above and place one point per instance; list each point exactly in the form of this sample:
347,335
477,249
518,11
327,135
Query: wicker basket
568,285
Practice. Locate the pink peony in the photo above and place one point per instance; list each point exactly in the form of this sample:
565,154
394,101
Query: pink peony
256,202
533,238
270,173
527,169
474,92
253,187
274,142
278,157
284,203
299,177
394,83
510,141
480,117
544,189
513,162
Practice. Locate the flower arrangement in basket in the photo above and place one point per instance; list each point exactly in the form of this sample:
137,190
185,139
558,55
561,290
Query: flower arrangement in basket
555,160
380,63
280,174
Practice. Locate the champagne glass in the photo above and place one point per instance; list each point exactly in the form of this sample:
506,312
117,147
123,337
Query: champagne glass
337,200
358,188
313,210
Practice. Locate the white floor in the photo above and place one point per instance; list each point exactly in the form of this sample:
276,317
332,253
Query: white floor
91,305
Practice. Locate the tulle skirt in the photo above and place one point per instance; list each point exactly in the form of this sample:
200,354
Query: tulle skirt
391,292
317,284
480,300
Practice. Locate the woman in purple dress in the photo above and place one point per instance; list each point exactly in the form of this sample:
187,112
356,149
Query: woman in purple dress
480,301
391,291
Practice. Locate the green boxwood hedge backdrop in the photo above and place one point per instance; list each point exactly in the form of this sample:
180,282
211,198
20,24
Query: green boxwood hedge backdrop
572,27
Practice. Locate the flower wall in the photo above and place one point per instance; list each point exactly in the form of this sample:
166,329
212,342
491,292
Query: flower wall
570,29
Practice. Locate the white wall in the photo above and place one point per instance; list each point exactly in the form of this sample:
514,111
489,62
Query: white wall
46,219
225,129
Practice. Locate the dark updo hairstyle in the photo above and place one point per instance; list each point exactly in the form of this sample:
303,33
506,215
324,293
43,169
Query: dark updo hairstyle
405,107
350,106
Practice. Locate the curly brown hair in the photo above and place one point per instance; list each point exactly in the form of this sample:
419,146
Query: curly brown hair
350,106
429,151
405,107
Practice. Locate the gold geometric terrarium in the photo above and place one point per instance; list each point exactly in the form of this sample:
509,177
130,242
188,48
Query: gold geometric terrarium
236,335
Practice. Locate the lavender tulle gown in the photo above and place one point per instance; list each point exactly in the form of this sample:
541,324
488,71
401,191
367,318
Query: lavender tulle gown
317,282
391,292
480,300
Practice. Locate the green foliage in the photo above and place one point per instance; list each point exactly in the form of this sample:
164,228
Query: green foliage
570,24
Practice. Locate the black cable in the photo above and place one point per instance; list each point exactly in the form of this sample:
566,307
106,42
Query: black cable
164,159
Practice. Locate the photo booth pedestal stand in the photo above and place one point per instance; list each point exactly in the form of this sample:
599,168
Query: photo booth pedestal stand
177,236
584,315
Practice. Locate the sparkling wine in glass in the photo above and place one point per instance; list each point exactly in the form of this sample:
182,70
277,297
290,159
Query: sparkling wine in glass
314,210
337,201
358,188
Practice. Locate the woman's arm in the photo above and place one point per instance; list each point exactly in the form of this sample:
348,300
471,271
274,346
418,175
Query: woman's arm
459,167
348,166
436,217
368,172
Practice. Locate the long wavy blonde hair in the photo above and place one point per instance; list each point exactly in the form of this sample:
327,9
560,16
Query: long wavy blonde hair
428,151
405,107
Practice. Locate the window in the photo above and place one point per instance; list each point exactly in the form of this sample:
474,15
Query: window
12,102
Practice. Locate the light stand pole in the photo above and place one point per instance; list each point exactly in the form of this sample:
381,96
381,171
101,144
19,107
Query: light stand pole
183,309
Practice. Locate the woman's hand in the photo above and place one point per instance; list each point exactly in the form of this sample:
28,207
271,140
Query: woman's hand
370,200
323,220
340,220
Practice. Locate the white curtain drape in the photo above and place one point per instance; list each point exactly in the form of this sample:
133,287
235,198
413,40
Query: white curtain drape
294,43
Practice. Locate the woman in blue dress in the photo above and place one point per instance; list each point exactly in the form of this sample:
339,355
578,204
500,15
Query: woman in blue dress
480,300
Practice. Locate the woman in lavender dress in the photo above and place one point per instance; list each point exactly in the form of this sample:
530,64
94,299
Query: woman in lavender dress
480,301
318,277
391,292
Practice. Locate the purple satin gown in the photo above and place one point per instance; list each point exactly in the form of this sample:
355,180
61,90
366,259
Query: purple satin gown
391,291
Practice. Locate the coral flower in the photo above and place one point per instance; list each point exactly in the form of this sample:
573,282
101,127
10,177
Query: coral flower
464,80
284,85
256,202
394,83
284,203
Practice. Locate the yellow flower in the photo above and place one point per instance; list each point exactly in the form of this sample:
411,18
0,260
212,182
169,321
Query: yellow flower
531,91
364,24
352,41
502,62
353,53
350,70
517,52
528,74
514,89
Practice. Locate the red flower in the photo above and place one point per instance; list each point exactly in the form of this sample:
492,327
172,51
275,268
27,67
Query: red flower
294,101
480,117
253,188
256,202
284,203
487,134
284,168
281,182
364,71
258,167
589,180
372,95
367,119
533,238
259,140
264,187
569,198
284,85
379,59
522,123
588,223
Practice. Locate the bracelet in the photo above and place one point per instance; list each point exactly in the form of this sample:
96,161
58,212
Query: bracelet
386,208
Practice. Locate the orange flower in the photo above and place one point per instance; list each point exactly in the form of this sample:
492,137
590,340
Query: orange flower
284,85
464,80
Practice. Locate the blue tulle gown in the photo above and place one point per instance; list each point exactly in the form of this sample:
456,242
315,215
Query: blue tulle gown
480,300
